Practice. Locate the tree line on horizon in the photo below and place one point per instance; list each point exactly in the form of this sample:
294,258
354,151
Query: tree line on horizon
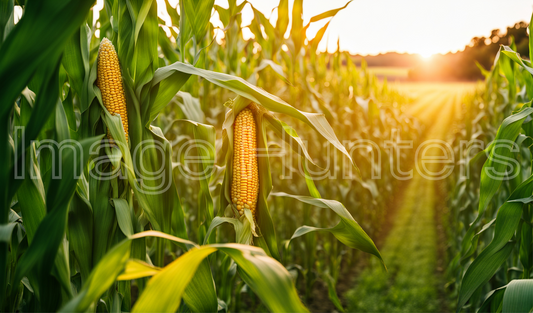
454,66
464,65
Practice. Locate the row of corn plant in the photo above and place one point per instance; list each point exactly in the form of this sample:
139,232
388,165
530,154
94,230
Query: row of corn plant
96,212
360,109
490,218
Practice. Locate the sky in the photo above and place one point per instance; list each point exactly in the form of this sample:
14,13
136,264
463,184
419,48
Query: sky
413,26
370,27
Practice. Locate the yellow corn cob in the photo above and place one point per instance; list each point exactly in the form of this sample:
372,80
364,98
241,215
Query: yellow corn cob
245,185
110,83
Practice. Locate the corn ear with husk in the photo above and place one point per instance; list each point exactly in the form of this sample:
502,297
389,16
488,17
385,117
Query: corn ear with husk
110,83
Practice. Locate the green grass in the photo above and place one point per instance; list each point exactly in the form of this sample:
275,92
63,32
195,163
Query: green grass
410,254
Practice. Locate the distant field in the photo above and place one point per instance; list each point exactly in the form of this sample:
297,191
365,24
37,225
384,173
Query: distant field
420,89
392,73
428,98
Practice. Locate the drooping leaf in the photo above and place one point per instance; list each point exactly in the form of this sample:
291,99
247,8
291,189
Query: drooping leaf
346,231
171,78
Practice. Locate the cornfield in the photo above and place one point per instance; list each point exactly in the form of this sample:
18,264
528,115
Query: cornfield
125,225
157,168
491,247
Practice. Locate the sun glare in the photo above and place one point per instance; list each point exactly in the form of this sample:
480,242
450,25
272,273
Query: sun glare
425,55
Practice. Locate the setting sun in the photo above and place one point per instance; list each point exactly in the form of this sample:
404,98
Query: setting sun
426,55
